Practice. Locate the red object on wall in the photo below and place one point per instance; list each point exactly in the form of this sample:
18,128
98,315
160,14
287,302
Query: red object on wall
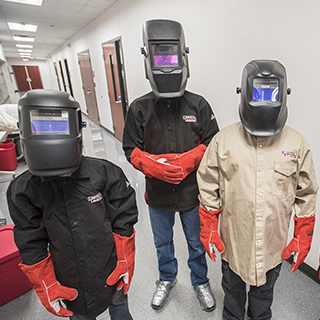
13,281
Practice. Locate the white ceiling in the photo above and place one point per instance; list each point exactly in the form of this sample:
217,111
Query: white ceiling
57,22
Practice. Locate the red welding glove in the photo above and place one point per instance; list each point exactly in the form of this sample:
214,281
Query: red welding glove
209,236
125,247
48,289
157,166
299,246
189,161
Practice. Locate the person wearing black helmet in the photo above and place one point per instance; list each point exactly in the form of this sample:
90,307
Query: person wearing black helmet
73,214
165,135
253,175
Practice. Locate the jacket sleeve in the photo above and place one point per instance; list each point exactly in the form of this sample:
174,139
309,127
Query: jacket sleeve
121,202
208,177
133,135
29,233
209,125
307,187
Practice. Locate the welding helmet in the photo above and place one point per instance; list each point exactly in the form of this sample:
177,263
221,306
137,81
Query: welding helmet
50,126
165,57
263,105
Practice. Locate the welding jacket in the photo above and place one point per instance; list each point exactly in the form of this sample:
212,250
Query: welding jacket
74,219
160,126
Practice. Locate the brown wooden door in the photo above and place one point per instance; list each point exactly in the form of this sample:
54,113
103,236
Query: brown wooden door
116,85
88,86
28,78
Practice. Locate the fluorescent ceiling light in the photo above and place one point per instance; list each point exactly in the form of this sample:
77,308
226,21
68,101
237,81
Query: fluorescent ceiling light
22,26
24,46
31,2
23,38
24,50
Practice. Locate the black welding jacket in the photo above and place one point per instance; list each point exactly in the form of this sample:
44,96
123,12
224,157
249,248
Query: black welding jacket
160,126
75,218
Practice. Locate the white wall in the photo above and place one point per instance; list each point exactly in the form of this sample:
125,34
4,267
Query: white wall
8,77
223,36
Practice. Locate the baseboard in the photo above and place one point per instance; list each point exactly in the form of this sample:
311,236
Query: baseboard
104,128
307,270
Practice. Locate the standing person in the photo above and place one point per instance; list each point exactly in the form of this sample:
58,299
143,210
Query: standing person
255,172
73,215
165,135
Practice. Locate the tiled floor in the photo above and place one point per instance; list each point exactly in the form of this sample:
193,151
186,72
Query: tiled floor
297,297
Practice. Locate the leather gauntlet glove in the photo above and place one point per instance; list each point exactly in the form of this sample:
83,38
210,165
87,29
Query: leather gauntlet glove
209,236
125,247
190,160
157,166
299,246
48,289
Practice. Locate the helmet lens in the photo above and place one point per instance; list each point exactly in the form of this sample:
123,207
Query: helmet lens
265,89
49,122
165,55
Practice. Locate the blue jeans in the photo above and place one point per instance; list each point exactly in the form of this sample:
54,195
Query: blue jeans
260,298
162,223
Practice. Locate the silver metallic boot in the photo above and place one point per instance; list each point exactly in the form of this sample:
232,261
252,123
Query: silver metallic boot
206,297
161,294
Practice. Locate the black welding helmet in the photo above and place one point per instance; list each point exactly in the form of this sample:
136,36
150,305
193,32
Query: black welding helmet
50,126
165,57
263,106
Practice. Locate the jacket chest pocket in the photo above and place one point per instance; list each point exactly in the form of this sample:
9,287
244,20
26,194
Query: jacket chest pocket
285,179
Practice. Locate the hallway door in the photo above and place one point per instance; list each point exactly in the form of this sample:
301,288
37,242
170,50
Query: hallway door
88,86
28,78
114,67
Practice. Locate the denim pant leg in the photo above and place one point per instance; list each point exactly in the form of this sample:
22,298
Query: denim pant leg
260,298
235,294
197,256
162,223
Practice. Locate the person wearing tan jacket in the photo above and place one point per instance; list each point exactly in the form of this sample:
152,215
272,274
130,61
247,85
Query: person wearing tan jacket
256,174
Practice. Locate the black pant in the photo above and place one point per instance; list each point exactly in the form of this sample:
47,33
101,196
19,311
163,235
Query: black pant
118,309
259,298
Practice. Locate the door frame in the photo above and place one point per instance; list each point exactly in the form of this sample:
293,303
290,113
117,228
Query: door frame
121,75
95,119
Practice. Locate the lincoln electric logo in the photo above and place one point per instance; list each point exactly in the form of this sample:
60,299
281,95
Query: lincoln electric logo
189,119
289,154
96,198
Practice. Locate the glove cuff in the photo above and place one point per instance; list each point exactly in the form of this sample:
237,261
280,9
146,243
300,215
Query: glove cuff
41,264
209,214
